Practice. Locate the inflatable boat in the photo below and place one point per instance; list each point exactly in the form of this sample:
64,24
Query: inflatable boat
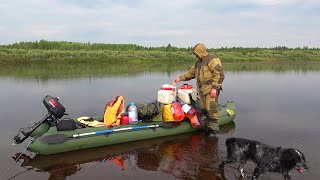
47,139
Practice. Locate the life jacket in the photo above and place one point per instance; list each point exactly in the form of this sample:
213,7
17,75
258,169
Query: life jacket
113,111
89,121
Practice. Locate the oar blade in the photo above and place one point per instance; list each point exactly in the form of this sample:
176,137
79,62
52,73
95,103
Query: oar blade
54,138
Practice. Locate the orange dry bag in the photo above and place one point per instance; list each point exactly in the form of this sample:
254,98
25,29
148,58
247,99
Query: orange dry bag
177,111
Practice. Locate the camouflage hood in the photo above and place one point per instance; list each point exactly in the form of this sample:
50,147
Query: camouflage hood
200,50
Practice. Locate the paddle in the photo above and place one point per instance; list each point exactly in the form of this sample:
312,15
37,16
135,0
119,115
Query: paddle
60,138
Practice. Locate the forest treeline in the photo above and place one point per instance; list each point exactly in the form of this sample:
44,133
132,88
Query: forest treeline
44,50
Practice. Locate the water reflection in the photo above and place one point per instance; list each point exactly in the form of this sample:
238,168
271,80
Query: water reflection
42,72
187,156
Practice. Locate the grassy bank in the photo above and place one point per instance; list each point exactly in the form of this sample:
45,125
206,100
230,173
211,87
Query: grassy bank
52,51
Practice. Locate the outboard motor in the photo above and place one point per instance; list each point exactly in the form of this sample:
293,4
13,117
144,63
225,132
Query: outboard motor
54,107
55,112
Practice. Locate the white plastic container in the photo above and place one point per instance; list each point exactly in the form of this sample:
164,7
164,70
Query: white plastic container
167,94
133,113
186,93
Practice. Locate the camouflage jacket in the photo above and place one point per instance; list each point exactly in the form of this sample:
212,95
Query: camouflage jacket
207,71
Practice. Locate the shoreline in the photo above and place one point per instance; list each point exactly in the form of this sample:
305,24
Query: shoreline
46,56
54,51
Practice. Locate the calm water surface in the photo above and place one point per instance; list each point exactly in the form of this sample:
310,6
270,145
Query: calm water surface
276,105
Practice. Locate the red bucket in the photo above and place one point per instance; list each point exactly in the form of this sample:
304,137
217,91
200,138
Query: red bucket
124,119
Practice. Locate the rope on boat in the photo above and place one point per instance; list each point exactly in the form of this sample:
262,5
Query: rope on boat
17,159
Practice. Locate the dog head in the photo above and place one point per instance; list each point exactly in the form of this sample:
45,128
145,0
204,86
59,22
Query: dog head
293,159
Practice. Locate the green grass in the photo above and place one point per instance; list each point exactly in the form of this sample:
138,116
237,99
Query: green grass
53,51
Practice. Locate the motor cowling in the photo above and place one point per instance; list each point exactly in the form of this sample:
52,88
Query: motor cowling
54,106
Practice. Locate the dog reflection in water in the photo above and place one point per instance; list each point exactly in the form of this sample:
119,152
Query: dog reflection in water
267,158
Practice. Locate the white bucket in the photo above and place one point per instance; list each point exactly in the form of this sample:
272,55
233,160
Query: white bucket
167,94
187,93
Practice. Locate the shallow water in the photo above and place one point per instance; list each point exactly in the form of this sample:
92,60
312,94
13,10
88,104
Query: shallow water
276,107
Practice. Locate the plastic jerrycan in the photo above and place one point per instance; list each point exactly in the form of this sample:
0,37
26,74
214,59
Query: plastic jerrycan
192,114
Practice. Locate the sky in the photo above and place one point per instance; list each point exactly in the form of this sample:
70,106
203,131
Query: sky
180,23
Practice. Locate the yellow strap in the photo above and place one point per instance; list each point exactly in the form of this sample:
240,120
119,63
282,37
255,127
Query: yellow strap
230,112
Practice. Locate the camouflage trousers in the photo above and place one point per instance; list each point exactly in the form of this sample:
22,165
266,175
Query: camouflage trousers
209,107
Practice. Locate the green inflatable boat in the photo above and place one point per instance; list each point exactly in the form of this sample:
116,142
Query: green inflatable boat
46,139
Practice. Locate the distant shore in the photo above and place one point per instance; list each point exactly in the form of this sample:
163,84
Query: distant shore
54,51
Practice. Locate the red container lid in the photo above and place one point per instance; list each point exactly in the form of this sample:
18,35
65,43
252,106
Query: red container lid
166,88
186,86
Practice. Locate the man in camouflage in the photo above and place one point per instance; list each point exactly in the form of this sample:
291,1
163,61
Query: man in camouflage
207,71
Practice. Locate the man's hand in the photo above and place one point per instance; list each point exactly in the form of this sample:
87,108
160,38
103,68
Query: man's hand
213,93
176,80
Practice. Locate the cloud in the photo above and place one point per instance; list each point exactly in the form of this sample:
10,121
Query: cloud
269,2
44,31
262,23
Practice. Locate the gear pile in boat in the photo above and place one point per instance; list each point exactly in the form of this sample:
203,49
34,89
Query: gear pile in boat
167,107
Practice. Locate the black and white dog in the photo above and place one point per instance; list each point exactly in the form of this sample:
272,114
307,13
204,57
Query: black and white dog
267,158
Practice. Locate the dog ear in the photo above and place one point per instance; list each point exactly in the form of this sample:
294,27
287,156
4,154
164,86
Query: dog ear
301,155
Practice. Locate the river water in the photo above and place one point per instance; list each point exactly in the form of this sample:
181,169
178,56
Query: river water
277,104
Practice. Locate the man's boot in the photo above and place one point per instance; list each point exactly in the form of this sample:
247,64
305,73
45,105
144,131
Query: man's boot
204,113
212,126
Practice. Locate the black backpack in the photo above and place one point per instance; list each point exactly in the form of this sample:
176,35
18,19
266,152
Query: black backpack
66,124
